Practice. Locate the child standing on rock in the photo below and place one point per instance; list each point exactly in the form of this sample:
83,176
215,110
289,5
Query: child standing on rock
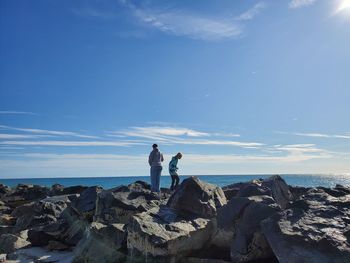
173,171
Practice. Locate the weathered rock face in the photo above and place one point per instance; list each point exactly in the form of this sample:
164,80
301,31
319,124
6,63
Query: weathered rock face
314,229
118,205
99,237
238,227
163,233
279,189
196,197
58,189
9,243
85,204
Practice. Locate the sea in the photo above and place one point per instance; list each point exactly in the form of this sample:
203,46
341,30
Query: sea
306,180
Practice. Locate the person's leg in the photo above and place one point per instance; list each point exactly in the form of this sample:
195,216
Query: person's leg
177,180
172,181
153,179
159,172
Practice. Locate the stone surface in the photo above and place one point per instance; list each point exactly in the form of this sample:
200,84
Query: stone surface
238,227
37,254
58,189
316,228
196,197
85,204
10,243
279,189
118,205
163,233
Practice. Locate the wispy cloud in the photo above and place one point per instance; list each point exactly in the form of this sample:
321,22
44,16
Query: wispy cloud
72,143
184,23
180,135
18,112
7,136
252,12
318,135
300,3
48,132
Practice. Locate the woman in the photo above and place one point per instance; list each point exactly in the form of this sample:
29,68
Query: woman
155,160
175,179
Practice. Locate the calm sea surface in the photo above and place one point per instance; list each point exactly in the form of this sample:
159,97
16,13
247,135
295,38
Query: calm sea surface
221,180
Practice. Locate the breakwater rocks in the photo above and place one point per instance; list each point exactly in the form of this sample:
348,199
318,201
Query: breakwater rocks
256,221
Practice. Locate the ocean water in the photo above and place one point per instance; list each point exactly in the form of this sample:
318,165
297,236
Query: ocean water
220,180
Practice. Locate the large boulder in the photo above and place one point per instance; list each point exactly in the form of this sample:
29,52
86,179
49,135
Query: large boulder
196,197
99,237
238,227
119,204
85,204
316,228
162,233
279,189
10,243
58,189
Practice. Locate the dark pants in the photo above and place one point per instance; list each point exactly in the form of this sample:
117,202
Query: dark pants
175,179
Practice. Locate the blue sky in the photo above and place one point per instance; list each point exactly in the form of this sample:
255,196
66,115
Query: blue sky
240,87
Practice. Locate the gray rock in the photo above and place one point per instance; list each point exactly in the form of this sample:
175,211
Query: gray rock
279,189
238,227
118,205
85,204
107,238
37,254
58,189
9,243
315,229
163,233
196,197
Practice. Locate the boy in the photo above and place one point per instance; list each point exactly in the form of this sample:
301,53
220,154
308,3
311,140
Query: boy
173,171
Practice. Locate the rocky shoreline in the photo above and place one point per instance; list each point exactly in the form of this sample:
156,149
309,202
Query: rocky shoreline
262,220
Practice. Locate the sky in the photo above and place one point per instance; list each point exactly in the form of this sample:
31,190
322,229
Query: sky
239,87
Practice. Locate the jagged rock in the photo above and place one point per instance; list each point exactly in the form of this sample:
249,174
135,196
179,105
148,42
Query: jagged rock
86,202
6,229
253,189
57,245
279,189
118,205
58,189
238,227
196,197
316,228
31,192
233,189
4,209
99,237
7,220
9,243
38,254
161,232
41,235
298,191
4,190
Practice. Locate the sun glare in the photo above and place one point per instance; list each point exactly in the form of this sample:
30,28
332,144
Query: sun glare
343,6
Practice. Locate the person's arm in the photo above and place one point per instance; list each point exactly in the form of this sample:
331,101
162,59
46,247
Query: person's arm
161,157
150,159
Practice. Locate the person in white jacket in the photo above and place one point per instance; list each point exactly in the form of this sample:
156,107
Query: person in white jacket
155,160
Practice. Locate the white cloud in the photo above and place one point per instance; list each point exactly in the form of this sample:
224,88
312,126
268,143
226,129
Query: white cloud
318,135
300,3
19,136
72,143
18,112
251,13
196,26
48,132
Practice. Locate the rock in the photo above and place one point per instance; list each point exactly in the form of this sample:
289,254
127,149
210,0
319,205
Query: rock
85,204
161,232
279,189
58,189
298,191
314,229
9,243
2,257
6,229
107,238
7,220
56,245
196,197
31,192
4,190
118,205
5,209
40,236
253,189
232,189
238,227
37,254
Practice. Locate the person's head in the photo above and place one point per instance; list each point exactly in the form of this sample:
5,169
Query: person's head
155,146
179,155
